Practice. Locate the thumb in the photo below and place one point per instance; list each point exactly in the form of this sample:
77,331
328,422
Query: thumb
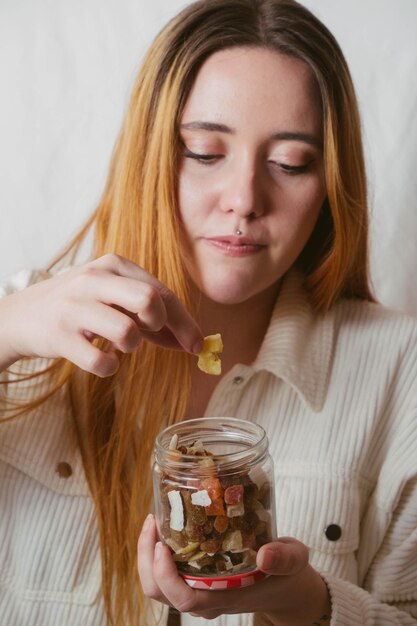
283,557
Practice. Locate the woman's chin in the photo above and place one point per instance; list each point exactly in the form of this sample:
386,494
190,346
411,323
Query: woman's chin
226,293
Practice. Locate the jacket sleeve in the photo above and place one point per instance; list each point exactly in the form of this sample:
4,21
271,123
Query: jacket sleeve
20,280
8,286
355,606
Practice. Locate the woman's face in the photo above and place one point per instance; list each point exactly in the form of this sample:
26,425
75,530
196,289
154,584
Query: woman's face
251,141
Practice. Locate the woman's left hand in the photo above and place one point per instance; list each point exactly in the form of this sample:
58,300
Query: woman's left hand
293,595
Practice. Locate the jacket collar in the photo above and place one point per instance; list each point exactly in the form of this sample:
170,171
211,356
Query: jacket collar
298,344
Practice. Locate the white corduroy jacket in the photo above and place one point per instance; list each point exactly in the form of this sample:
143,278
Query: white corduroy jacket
337,395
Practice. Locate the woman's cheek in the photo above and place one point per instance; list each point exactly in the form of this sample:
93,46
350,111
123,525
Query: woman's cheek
193,201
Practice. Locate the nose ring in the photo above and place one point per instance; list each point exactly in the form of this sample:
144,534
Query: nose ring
251,216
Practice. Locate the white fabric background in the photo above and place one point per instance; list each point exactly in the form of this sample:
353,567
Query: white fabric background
66,68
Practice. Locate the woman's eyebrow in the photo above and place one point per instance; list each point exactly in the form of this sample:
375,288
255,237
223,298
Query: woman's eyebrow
279,136
222,128
297,136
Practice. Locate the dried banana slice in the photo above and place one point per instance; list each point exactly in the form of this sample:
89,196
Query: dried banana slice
209,358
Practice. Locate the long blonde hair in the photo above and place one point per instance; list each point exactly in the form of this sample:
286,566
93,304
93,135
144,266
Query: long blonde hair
138,219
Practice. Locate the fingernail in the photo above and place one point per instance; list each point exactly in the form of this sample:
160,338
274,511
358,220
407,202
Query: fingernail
269,560
147,523
158,551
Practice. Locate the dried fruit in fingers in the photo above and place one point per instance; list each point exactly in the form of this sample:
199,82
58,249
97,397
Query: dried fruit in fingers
209,358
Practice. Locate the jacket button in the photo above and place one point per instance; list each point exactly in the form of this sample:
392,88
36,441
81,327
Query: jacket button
333,532
64,469
238,380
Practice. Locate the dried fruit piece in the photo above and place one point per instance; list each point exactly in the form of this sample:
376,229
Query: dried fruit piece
229,479
265,495
258,476
209,358
208,464
176,520
237,523
216,507
235,510
199,516
182,558
260,511
221,524
194,532
248,540
196,448
237,558
213,487
198,555
173,544
223,562
201,498
251,520
232,541
260,528
208,527
211,546
221,566
202,561
179,538
174,442
195,514
233,494
249,495
246,559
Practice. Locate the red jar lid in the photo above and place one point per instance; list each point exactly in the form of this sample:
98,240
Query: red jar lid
218,583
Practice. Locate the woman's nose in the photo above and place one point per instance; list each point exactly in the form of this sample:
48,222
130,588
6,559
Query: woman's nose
243,191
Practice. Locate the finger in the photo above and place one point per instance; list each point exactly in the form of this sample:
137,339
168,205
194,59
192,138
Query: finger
98,320
180,322
176,591
283,557
208,604
146,550
80,351
163,338
137,297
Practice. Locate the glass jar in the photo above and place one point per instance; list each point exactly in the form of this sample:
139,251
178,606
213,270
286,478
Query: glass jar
214,499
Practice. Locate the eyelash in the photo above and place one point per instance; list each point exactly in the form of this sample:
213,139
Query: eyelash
294,169
204,159
208,159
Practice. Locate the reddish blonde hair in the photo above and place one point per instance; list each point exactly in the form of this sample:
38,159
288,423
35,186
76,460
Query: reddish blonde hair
138,219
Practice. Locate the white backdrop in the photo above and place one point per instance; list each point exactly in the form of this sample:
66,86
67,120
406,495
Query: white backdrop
66,68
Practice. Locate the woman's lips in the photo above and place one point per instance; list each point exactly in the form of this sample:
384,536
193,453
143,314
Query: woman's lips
235,246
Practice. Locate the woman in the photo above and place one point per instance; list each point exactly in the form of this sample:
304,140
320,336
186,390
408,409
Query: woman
236,203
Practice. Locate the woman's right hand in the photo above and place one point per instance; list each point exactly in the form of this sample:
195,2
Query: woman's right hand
110,297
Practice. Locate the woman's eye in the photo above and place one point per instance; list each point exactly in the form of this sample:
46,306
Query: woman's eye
293,169
205,159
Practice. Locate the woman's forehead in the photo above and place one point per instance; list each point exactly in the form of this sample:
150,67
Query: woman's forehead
245,83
